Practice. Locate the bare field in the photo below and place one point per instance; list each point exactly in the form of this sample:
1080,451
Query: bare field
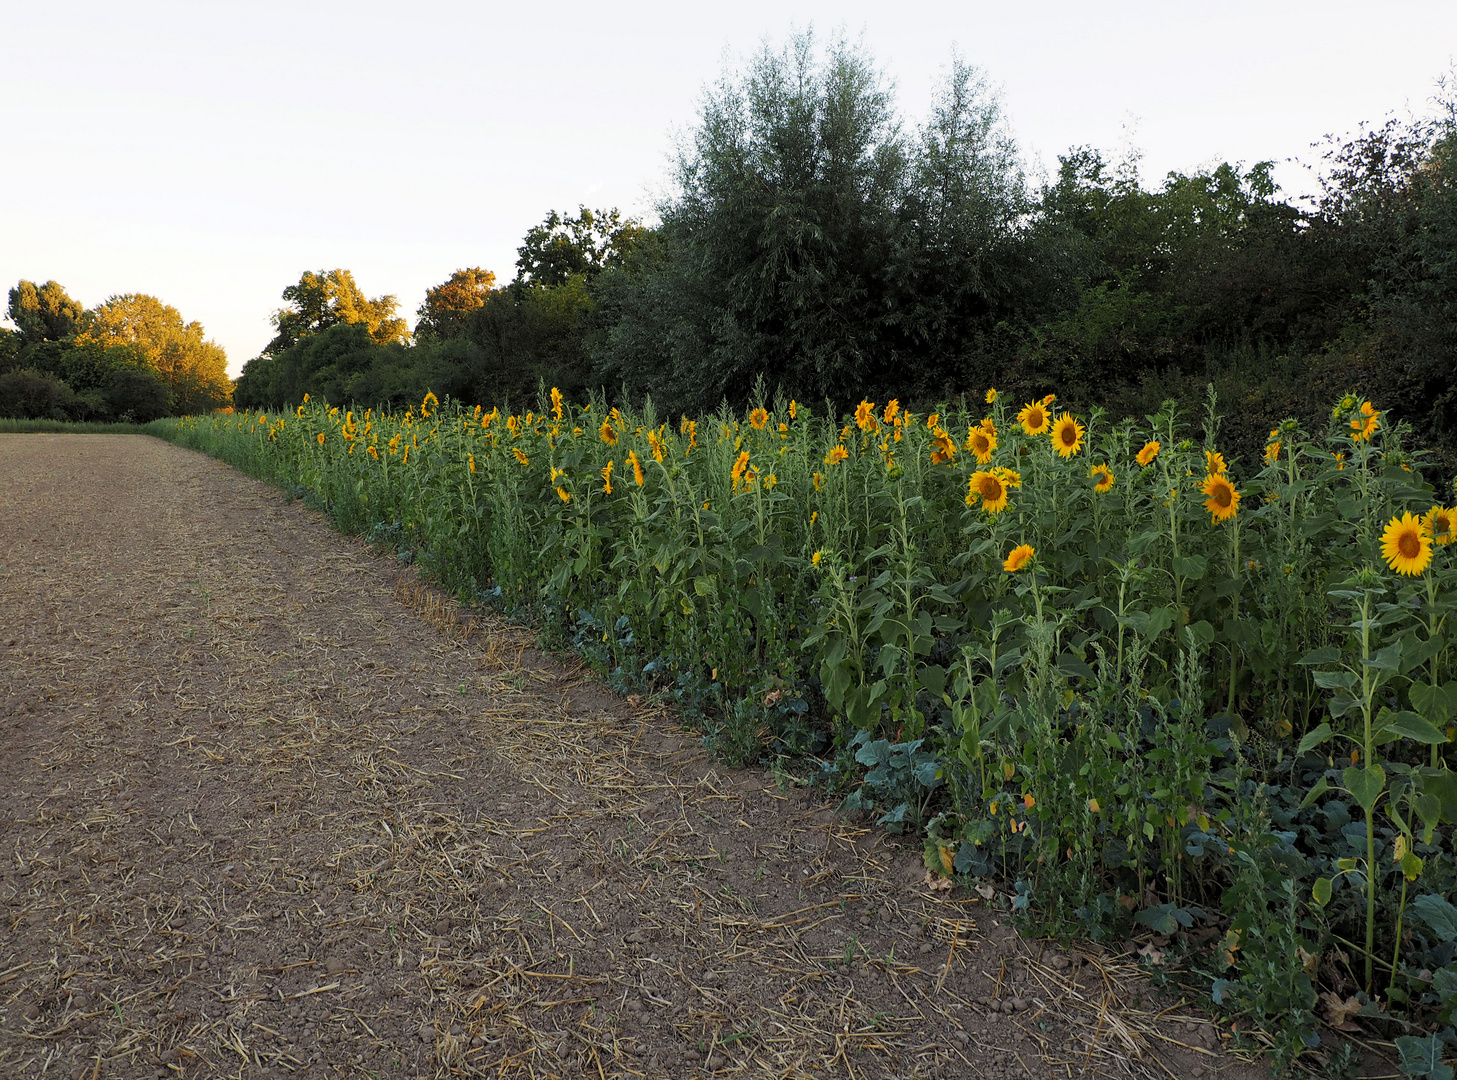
270,808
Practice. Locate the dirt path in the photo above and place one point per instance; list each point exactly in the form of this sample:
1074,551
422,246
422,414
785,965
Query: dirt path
263,815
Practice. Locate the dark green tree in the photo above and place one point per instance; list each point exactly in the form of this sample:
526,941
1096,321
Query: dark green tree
563,247
43,312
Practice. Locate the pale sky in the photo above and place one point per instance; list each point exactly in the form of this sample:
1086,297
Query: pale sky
208,154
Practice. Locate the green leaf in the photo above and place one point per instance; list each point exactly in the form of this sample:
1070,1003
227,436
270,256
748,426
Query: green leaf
1334,680
1327,654
1321,787
1156,622
1437,703
1191,567
1411,726
1437,913
1387,659
1322,891
1422,1056
1314,738
1365,784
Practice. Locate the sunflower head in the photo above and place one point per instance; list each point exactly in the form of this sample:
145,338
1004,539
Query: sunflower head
991,395
1214,463
1440,523
865,415
990,489
1034,418
943,448
1020,556
1067,435
837,454
981,442
1103,482
758,418
1149,452
1405,545
1223,500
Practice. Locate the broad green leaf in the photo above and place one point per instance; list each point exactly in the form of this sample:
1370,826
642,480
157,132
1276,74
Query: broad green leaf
1411,726
1438,914
1321,787
1365,784
1314,738
1437,703
1327,654
1334,680
1322,891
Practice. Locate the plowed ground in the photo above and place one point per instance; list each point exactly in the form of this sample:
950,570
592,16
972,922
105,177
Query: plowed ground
268,808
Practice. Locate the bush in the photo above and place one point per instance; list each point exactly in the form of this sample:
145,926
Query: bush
28,394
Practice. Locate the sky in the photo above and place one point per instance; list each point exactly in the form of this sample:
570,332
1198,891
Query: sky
208,154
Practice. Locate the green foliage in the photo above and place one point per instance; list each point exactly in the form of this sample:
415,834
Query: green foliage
42,312
329,297
1230,719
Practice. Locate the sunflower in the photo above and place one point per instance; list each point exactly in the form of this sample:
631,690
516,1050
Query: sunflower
1223,501
1033,418
981,442
556,403
892,407
637,466
563,494
865,415
837,454
991,395
1067,435
1365,424
1272,452
1214,463
758,418
817,557
521,457
793,408
608,433
321,438
990,488
1010,477
1405,545
1149,452
1021,555
1104,483
607,479
1440,524
655,444
943,448
741,466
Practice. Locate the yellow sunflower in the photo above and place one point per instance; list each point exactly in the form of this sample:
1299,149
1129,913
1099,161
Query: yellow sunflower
990,488
1405,545
1104,483
981,441
1223,501
520,456
943,448
836,455
758,418
607,479
991,395
1067,435
606,431
1149,452
892,407
637,466
1021,555
1364,425
1011,477
1440,524
1272,452
865,415
1033,418
1214,463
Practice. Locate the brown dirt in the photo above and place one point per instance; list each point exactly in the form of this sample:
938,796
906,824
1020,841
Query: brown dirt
268,809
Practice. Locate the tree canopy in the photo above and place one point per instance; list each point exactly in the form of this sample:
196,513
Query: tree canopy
42,312
322,299
194,369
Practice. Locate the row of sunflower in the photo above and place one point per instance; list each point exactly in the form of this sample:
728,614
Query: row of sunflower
996,588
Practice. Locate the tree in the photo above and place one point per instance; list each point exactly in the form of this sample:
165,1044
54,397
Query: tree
321,300
194,369
562,247
448,307
43,312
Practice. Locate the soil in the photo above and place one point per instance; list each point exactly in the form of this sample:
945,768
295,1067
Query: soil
269,807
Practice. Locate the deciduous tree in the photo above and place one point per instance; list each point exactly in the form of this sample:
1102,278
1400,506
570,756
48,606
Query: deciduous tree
321,300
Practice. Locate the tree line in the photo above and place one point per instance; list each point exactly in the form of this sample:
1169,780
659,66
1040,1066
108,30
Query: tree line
131,358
